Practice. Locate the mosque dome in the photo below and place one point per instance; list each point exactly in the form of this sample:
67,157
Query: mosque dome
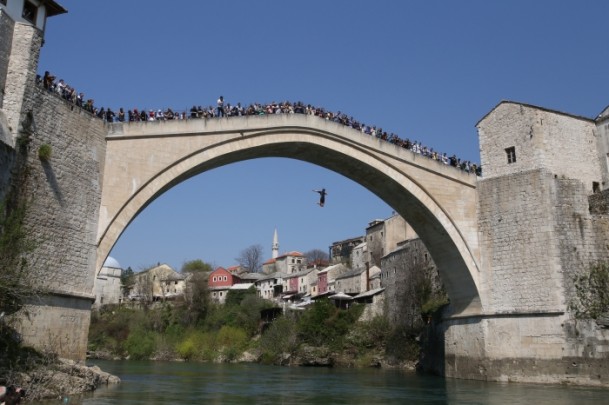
112,263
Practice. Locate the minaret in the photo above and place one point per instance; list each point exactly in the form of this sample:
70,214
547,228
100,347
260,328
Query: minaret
275,247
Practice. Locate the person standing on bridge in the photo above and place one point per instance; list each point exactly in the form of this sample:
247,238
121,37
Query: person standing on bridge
220,112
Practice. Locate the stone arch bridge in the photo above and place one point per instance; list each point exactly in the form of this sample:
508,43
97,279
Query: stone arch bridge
145,159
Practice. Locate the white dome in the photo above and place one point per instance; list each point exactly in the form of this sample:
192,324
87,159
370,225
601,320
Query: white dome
112,263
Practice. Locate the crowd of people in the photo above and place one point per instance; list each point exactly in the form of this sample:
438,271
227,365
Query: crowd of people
224,109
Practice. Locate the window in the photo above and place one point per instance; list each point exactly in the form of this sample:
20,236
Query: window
214,278
29,12
511,154
225,278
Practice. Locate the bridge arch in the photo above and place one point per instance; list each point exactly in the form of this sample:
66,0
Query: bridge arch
144,160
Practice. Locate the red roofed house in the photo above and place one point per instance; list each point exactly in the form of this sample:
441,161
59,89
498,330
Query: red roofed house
219,282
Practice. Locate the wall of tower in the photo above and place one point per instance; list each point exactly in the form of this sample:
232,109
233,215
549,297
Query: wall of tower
562,144
7,25
22,65
64,195
537,232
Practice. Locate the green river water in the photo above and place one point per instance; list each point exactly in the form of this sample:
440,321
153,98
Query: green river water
204,383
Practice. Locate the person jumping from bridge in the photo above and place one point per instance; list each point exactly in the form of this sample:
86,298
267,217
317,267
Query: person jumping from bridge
322,196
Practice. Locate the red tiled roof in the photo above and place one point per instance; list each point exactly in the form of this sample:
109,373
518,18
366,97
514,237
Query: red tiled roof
293,253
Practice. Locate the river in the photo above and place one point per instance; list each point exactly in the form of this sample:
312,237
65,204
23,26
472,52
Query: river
149,382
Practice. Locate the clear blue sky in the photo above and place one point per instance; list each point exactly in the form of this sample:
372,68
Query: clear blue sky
427,70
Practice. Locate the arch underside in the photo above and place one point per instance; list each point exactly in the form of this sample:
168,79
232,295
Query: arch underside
398,189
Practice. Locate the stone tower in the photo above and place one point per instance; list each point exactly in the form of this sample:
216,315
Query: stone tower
22,25
60,221
538,231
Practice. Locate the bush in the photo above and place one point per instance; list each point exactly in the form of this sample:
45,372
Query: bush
324,324
230,336
433,305
279,338
140,344
191,347
402,344
373,333
44,152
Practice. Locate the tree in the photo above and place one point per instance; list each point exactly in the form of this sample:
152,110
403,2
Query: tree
196,266
196,297
144,287
251,258
127,276
316,256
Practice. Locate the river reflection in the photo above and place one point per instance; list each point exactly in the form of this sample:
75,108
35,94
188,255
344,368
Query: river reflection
198,383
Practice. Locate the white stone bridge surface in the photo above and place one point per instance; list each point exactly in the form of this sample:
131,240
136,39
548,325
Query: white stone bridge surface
145,159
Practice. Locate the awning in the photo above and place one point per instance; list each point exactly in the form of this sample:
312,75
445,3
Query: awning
341,296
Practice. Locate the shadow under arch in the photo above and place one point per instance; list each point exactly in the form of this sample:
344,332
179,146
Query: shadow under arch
449,249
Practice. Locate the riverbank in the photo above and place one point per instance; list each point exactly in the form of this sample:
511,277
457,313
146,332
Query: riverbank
304,356
60,379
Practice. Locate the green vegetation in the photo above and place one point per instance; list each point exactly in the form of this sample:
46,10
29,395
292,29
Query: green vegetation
17,280
172,331
225,332
197,265
44,152
591,292
15,284
324,324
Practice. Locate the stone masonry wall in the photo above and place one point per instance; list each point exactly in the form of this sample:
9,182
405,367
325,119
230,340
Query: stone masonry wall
599,202
21,75
6,40
521,260
7,161
64,194
400,270
538,233
582,236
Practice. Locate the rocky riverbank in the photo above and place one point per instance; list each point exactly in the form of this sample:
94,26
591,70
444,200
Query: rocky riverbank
61,379
305,356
